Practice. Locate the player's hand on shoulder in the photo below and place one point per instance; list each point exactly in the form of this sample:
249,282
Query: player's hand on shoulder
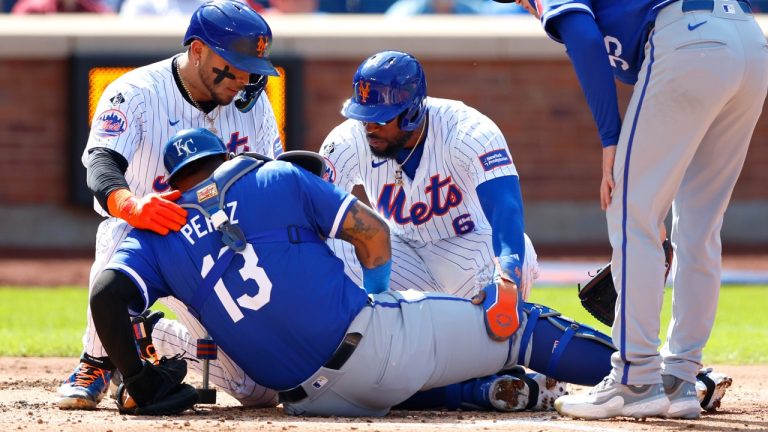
155,212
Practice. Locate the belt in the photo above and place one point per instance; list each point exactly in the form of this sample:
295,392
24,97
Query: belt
709,5
347,346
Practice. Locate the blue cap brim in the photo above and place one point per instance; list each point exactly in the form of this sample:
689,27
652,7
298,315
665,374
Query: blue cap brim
370,113
250,64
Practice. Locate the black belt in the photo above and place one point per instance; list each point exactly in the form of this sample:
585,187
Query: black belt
337,360
709,5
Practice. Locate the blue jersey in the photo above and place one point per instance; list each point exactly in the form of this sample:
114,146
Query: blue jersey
625,25
281,308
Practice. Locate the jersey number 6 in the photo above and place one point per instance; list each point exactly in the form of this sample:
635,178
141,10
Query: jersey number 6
250,270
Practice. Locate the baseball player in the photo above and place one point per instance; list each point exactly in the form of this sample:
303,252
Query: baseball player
227,60
275,298
440,174
700,72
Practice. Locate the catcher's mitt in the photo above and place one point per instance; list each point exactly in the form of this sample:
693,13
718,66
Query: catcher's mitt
598,296
157,389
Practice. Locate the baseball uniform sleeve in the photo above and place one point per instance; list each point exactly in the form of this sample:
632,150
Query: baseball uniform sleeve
118,121
325,204
483,152
554,8
269,143
135,259
342,153
584,43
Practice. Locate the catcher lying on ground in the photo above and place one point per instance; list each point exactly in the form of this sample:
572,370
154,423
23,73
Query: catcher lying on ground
285,312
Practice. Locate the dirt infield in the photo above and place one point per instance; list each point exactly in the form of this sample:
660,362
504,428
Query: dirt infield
28,394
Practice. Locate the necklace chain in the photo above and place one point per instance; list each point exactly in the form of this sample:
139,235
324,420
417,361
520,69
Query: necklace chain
399,170
208,118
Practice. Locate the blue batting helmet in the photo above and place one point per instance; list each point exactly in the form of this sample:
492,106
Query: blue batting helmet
235,32
189,145
386,85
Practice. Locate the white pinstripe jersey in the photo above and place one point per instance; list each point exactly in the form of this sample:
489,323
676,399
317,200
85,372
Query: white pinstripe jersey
142,109
463,149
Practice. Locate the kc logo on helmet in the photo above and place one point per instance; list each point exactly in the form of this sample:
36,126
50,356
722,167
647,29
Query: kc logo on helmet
363,90
185,148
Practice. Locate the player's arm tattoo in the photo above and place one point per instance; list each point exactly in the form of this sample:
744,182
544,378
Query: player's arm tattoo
368,233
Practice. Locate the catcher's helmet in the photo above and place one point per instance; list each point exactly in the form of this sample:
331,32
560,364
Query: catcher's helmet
386,85
189,145
235,32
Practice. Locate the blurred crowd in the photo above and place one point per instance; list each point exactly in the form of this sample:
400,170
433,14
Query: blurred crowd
185,7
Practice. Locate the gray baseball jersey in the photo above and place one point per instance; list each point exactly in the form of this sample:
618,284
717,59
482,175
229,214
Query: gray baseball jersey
136,115
441,238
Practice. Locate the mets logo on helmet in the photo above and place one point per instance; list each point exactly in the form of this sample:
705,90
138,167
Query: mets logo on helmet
363,90
262,46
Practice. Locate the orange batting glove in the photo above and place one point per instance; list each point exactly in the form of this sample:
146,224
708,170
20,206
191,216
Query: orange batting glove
154,212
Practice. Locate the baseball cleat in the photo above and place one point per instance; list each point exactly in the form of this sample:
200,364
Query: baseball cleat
683,402
711,387
611,399
85,388
507,393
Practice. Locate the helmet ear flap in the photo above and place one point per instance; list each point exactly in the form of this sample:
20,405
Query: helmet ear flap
413,116
247,98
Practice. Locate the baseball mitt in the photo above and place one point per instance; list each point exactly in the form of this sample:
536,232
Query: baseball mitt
598,296
157,389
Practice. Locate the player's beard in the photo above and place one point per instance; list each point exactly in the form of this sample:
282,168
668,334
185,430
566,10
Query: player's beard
216,97
393,145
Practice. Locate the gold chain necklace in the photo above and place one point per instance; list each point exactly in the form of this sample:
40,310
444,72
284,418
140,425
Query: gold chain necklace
399,170
208,118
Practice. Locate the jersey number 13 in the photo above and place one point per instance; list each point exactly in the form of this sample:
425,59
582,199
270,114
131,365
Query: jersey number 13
250,270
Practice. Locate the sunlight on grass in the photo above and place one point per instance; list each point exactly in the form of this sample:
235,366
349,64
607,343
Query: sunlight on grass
50,322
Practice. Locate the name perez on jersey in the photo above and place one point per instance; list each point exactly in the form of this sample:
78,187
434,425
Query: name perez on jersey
195,225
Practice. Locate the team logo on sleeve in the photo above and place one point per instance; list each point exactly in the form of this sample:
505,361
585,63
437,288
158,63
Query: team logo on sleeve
494,159
111,123
330,171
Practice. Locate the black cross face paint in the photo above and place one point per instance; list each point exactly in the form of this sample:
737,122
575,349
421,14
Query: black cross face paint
221,74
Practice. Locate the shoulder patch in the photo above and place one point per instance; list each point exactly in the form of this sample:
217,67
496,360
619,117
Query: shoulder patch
330,171
110,123
494,159
327,149
117,99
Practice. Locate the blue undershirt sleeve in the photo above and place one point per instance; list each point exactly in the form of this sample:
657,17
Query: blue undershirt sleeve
502,204
584,44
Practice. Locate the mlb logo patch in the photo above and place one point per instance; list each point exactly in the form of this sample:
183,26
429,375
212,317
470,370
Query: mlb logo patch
320,382
494,159
729,9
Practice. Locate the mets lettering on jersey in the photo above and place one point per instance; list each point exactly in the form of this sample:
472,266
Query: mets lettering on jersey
420,212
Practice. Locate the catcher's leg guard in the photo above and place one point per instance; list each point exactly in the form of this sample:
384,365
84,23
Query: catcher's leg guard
564,349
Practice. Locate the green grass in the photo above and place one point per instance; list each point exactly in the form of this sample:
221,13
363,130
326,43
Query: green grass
738,336
42,321
50,322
